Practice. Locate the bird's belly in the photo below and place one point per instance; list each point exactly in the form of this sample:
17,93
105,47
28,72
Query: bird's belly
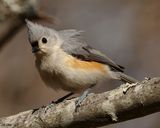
72,74
80,75
51,79
72,79
78,81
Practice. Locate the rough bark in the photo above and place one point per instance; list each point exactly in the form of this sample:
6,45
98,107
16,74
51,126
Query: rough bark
127,102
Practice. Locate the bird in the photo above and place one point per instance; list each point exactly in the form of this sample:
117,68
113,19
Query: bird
66,61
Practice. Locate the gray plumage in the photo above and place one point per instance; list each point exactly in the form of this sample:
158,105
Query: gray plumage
75,45
36,31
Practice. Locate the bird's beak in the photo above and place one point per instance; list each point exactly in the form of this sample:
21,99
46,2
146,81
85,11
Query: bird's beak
35,49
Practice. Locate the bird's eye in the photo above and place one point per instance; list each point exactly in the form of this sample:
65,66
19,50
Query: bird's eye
44,40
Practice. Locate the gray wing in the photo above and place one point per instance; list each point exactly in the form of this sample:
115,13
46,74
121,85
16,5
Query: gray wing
75,45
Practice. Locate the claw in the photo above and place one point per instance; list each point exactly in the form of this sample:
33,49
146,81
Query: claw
81,98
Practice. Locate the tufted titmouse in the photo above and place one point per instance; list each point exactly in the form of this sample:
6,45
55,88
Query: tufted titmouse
65,61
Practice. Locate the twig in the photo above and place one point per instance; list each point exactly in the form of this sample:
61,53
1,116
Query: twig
13,13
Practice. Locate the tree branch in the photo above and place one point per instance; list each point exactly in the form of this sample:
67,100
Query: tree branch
13,13
127,102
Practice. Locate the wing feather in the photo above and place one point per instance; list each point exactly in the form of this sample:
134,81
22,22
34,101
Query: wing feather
75,45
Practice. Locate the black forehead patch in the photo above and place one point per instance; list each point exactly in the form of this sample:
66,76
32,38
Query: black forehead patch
34,44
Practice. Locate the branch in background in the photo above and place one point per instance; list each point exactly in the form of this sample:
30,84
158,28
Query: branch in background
13,13
127,102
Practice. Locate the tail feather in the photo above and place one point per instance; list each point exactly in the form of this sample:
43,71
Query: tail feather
125,78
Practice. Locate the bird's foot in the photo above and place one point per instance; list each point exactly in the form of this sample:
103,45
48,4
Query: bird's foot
81,98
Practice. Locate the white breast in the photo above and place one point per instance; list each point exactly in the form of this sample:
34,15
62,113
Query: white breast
58,72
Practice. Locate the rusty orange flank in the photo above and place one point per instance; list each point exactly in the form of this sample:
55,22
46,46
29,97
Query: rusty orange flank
86,65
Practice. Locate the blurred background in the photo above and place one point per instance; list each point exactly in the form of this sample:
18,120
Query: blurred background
128,31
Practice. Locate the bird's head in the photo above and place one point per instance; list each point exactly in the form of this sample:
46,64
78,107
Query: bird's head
42,39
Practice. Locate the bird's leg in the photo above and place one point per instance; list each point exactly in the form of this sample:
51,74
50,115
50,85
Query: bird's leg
82,97
63,98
